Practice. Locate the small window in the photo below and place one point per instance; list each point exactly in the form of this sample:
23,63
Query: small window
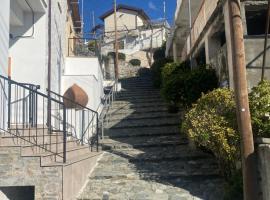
256,20
59,7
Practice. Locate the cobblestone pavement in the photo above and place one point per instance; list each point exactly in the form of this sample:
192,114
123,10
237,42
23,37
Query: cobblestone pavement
146,158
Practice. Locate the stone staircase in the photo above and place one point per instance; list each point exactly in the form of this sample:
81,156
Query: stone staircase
146,157
28,158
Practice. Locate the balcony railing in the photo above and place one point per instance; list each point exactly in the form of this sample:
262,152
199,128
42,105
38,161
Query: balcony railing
83,47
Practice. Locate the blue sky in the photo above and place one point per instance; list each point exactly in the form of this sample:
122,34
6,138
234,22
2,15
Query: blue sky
154,8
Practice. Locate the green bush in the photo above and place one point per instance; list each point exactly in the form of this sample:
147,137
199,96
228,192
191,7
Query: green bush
260,109
160,53
121,56
173,68
211,124
234,187
156,69
135,62
182,87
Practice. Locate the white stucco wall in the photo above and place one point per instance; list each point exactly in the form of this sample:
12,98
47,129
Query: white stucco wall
4,35
87,74
58,42
4,38
29,55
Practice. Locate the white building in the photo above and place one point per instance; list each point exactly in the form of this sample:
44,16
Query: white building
136,32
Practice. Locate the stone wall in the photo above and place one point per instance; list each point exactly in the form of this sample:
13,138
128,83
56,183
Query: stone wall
26,171
125,69
264,167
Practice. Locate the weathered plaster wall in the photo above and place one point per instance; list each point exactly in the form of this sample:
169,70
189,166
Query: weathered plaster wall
254,56
264,169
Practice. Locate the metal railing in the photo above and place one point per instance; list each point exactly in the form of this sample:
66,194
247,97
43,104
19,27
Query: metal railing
109,97
24,114
81,122
83,47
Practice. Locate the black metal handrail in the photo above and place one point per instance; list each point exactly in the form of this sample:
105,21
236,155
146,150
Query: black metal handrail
88,121
26,116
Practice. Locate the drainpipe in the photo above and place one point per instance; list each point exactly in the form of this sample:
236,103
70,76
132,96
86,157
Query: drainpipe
49,62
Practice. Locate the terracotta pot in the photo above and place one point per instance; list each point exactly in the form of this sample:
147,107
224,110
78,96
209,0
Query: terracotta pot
75,94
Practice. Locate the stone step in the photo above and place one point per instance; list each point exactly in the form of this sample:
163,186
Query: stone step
142,115
141,105
138,101
128,110
31,149
143,131
138,97
120,167
77,159
134,93
146,122
39,139
157,154
123,189
143,142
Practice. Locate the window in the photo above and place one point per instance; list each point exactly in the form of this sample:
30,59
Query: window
256,20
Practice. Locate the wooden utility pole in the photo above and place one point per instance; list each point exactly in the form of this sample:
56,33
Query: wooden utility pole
49,106
266,40
242,103
116,42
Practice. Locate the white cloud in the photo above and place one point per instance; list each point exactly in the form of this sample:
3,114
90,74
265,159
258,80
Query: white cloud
152,6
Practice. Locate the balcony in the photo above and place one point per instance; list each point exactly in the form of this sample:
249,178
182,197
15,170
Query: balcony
19,8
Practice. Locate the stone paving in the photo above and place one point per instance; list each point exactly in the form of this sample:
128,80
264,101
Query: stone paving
146,157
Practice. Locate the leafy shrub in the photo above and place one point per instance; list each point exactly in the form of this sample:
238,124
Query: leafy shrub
211,124
173,68
182,87
160,53
135,62
260,109
234,187
121,56
156,69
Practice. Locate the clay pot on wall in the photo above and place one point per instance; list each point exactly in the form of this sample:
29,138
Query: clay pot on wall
76,94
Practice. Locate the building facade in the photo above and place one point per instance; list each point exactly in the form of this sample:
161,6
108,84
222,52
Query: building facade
202,34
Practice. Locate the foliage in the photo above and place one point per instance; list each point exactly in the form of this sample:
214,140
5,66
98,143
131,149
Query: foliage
160,53
260,109
211,124
156,69
92,45
234,187
121,56
135,62
183,87
173,68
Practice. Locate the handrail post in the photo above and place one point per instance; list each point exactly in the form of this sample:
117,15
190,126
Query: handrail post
97,132
9,102
64,135
83,126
